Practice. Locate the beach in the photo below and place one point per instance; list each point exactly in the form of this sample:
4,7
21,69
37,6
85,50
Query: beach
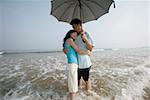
117,74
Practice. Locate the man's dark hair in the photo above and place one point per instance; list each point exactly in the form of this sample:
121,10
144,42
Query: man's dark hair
76,21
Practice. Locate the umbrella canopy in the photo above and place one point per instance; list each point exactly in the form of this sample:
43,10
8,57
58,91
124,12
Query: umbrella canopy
85,10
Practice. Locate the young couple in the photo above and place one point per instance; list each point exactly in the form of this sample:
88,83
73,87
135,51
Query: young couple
77,46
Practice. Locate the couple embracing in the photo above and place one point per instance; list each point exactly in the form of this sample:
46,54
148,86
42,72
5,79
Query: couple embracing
77,46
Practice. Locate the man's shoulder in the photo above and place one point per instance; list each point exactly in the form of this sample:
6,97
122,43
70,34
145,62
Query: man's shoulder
85,32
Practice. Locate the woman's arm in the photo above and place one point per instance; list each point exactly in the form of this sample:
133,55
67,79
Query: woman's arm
71,42
65,50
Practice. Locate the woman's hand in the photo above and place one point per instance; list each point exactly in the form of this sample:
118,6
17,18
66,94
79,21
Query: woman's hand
89,53
65,51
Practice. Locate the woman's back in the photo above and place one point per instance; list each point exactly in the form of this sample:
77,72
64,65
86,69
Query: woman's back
71,54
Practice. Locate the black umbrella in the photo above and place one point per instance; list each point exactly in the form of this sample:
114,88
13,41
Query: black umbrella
85,10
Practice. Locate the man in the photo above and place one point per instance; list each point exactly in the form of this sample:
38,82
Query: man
84,42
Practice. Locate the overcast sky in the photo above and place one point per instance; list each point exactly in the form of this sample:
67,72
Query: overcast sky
27,25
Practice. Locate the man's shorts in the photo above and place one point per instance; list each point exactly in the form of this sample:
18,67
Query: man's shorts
84,73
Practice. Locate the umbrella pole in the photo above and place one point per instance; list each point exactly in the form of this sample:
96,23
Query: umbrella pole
114,4
80,9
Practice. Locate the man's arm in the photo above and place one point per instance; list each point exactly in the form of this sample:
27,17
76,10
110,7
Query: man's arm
88,44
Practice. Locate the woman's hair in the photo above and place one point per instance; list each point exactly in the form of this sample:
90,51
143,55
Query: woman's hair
68,35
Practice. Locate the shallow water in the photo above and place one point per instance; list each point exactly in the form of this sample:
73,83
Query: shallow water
115,75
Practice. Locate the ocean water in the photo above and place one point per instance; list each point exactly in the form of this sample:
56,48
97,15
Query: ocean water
122,74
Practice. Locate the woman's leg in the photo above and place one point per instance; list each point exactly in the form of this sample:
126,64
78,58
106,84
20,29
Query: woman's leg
72,96
72,80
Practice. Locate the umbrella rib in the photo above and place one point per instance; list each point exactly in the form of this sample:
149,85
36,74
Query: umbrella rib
90,9
97,4
64,11
60,5
74,11
81,17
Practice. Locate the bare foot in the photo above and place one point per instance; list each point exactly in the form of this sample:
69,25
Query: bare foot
72,96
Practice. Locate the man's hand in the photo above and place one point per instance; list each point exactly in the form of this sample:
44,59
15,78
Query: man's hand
65,50
84,37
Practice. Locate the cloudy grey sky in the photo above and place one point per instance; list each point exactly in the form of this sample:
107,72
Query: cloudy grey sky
27,25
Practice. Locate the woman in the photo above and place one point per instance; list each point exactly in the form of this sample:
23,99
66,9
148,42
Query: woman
72,61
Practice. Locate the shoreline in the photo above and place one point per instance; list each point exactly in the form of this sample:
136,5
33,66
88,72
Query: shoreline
60,51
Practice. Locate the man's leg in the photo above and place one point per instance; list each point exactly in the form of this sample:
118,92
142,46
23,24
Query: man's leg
87,80
79,78
88,85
